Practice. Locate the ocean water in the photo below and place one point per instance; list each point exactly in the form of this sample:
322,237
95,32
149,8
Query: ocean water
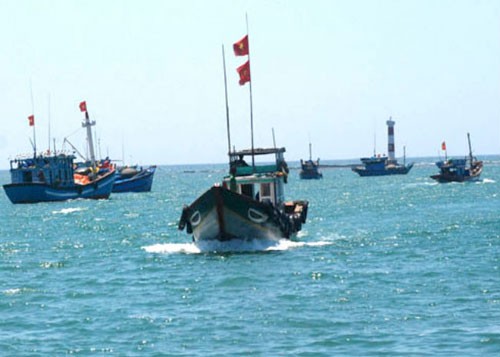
384,266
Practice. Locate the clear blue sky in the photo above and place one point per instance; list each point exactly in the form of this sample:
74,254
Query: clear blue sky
332,71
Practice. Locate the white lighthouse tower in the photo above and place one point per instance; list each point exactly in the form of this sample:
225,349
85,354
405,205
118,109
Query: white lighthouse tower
390,140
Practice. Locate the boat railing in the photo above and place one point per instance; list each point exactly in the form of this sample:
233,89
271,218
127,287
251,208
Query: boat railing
261,169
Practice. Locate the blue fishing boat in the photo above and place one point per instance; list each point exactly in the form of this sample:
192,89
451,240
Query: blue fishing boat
249,204
56,177
459,170
52,178
134,179
378,165
309,169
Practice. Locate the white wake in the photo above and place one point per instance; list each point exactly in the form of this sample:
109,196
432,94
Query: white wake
235,245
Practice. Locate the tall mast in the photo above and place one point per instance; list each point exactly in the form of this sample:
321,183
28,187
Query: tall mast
34,124
49,120
310,151
470,149
251,104
227,105
88,125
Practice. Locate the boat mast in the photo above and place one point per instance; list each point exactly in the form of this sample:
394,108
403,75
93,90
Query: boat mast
33,114
227,106
470,149
251,105
88,125
49,120
310,151
274,139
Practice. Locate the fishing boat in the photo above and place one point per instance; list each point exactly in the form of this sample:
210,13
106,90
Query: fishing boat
54,177
249,204
459,170
45,178
134,179
382,165
309,168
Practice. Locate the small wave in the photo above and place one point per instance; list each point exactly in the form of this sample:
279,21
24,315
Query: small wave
234,246
69,210
12,291
487,181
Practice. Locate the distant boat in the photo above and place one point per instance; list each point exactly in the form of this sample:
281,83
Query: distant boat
134,179
310,168
383,165
459,170
250,203
380,166
52,178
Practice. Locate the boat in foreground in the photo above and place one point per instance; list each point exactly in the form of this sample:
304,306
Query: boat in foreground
459,170
309,169
249,204
52,178
133,179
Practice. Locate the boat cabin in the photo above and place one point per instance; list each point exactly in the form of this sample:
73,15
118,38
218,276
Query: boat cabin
375,162
454,166
52,170
261,182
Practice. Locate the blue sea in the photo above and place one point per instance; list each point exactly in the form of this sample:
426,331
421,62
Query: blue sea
396,265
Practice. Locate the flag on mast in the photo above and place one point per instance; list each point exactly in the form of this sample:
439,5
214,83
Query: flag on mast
443,146
241,47
244,72
31,120
83,106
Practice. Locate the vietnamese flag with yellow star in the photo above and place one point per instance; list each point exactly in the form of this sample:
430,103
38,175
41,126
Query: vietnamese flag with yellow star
244,72
241,47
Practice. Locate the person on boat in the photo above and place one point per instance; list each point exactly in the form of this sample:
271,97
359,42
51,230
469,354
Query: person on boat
41,176
240,161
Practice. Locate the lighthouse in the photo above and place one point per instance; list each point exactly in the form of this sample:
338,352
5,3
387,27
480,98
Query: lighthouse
390,139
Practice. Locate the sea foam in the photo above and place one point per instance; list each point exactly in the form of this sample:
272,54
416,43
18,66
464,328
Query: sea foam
235,245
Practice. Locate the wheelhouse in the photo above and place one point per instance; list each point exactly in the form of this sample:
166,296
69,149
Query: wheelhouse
260,182
51,170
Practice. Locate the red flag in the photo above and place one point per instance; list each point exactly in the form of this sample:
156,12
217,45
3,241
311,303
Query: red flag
31,120
241,47
443,146
83,106
244,72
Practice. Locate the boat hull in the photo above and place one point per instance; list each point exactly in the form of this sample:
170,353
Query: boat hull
398,170
40,192
310,175
220,214
142,182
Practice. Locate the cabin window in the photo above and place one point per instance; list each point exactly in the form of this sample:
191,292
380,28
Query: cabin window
266,193
27,176
247,190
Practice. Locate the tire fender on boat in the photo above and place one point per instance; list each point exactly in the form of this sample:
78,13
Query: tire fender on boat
257,216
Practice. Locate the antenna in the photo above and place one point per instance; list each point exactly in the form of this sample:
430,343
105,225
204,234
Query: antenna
251,102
